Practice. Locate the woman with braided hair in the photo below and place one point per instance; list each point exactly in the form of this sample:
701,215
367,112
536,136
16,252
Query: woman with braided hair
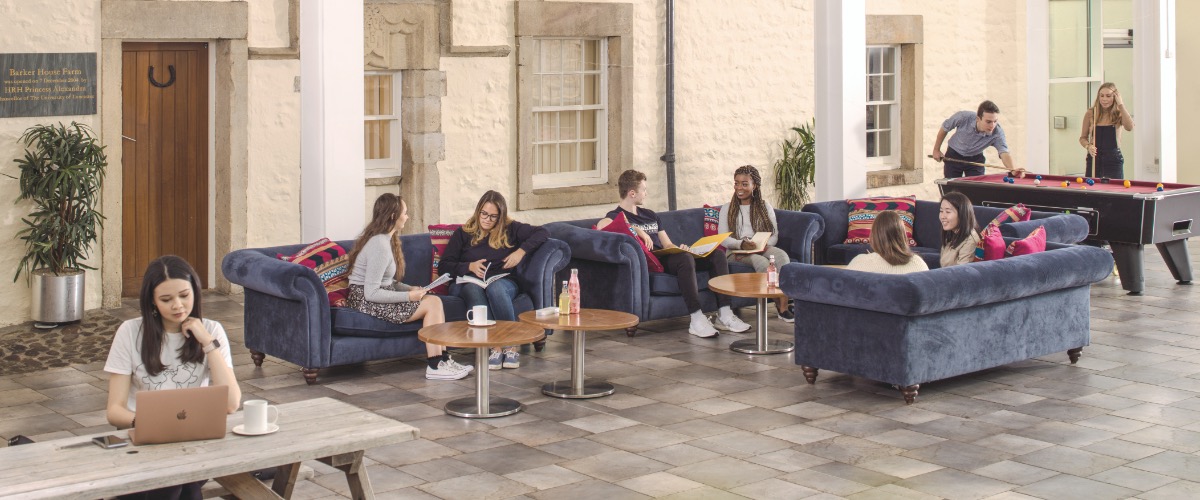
748,213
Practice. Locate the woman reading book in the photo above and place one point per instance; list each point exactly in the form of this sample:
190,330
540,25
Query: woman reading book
377,266
750,217
487,248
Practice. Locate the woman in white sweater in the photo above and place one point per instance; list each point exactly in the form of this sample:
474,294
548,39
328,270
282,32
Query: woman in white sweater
748,213
890,253
377,265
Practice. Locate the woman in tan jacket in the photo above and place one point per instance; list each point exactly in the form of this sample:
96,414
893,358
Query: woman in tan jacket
959,236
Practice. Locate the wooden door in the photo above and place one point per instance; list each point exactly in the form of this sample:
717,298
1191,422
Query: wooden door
164,93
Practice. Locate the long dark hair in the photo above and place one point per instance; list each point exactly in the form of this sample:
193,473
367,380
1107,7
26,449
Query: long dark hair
760,220
387,209
498,236
966,219
167,267
888,239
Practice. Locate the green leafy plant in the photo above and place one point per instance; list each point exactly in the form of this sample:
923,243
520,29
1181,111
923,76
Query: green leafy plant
795,170
62,173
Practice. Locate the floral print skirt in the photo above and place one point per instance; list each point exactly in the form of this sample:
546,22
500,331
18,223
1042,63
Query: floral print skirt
398,312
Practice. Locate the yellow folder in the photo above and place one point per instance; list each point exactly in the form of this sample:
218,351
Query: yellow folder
701,248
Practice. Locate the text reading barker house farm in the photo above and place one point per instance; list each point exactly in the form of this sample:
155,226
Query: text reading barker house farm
47,84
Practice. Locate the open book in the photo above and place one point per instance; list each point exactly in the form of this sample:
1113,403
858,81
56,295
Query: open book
438,282
483,283
760,243
701,248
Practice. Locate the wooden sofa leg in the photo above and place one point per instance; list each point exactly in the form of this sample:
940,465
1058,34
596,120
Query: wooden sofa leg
258,357
910,393
539,346
631,331
310,375
1074,354
810,374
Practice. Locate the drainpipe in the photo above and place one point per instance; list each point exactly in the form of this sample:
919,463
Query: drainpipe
669,155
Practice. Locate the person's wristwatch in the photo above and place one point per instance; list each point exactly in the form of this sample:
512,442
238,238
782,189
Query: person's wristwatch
211,346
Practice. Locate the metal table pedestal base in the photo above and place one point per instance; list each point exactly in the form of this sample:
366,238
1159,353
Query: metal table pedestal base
578,387
761,344
482,405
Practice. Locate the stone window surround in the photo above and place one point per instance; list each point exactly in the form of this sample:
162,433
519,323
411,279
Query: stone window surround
908,33
225,24
613,21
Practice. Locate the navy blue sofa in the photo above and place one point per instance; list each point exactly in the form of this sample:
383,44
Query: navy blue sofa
613,272
287,312
920,327
927,230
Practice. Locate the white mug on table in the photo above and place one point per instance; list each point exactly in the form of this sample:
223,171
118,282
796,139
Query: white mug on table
258,416
477,315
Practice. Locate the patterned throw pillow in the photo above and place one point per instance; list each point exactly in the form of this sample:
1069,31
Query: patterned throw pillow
332,265
621,226
439,236
712,219
1015,213
864,210
990,246
1034,243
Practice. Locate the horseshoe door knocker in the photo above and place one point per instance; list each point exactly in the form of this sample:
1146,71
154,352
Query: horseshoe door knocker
171,70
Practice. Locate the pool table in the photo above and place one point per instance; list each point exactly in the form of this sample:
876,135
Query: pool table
1128,218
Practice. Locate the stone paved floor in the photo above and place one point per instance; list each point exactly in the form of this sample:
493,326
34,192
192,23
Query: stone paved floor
693,420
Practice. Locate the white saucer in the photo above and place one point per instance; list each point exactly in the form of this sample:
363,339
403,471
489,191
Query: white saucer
489,322
241,430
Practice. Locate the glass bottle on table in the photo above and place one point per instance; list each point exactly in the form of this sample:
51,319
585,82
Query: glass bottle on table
564,300
573,287
772,274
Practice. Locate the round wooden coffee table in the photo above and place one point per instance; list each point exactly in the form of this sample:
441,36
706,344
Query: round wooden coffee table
462,334
586,320
753,285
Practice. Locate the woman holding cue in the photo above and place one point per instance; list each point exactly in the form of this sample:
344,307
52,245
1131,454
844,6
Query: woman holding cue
1101,135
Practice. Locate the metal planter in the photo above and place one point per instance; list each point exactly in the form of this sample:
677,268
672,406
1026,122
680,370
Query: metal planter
57,298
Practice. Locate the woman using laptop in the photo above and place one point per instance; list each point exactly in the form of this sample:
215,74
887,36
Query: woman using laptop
169,347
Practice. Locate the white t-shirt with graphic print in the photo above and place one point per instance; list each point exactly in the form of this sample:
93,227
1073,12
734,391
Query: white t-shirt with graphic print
125,358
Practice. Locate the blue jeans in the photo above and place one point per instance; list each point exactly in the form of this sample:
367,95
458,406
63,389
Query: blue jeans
498,296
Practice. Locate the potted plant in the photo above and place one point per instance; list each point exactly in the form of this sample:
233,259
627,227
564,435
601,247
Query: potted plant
795,169
61,173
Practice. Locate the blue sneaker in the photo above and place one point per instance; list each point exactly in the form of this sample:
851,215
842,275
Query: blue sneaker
495,360
512,359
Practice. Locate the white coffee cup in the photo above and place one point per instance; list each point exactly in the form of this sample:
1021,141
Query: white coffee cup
477,315
258,414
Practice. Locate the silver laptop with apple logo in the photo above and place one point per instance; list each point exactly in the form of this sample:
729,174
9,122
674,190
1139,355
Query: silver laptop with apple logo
174,415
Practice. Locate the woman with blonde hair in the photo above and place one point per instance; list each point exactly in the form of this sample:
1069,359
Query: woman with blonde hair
491,243
1101,135
890,253
377,266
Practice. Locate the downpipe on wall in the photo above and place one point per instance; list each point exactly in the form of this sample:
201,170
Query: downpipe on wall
669,155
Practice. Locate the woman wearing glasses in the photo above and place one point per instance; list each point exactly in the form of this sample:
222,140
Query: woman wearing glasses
490,244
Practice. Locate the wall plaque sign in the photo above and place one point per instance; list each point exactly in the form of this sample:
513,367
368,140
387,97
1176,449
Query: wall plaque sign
47,84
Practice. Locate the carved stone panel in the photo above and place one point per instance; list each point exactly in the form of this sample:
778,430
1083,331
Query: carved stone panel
400,36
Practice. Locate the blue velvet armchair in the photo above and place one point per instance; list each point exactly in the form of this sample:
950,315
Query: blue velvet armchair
614,274
927,230
287,312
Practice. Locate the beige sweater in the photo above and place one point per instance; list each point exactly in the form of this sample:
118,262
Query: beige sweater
873,263
961,254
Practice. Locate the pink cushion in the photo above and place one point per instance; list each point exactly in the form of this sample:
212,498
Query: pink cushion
1034,243
332,265
621,226
863,212
439,236
991,245
712,219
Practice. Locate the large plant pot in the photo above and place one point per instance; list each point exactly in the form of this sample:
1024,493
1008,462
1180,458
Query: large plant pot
57,298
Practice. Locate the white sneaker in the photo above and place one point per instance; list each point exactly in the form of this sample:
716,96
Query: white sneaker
445,372
732,323
702,328
455,364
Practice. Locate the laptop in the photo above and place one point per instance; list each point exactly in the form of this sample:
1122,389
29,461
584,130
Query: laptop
174,415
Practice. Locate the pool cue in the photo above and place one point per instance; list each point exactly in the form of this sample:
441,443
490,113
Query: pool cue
984,165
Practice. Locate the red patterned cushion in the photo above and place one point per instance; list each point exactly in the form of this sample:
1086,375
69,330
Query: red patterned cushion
864,210
1015,213
621,226
439,236
712,219
1034,243
991,245
332,265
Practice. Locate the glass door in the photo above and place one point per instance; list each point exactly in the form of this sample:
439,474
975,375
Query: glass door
1076,69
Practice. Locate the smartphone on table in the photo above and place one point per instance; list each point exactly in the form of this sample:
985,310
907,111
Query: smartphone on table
109,442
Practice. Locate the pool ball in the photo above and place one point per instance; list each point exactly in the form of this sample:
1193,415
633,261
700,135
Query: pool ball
1083,187
1037,182
1091,182
1158,185
1127,184
1159,188
1079,179
1038,178
1065,183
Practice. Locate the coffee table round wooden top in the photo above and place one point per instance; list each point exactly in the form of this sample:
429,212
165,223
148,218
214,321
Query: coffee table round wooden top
463,334
753,285
750,285
585,320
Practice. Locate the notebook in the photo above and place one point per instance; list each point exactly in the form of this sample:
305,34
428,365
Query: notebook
174,415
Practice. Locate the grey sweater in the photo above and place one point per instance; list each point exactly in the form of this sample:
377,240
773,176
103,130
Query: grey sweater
744,228
374,270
